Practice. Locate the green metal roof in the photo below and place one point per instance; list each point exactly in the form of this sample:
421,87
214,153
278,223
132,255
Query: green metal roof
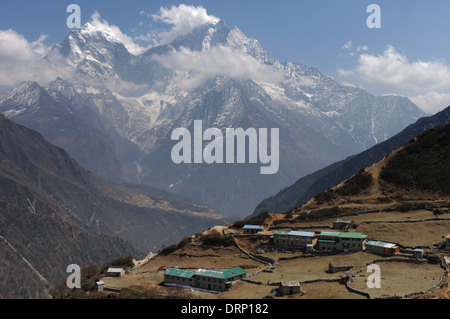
234,272
294,233
353,235
179,273
281,232
330,233
225,274
221,274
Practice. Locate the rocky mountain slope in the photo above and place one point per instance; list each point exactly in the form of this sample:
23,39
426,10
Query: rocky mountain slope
117,113
54,213
306,188
411,177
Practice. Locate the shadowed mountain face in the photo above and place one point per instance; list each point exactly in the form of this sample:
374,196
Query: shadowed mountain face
117,113
412,178
54,213
313,184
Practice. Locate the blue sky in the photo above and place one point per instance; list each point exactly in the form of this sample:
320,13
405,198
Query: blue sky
408,55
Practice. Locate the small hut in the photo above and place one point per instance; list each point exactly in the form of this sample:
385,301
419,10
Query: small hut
252,229
100,285
115,272
343,224
418,253
289,287
339,267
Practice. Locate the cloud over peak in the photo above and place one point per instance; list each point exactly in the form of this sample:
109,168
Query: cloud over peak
183,19
218,60
21,60
113,32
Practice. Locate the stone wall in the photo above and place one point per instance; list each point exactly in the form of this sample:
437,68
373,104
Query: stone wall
412,261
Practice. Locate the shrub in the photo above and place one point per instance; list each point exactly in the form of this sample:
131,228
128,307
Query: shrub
422,164
88,285
168,250
324,213
405,207
325,197
302,216
359,182
216,239
257,220
123,262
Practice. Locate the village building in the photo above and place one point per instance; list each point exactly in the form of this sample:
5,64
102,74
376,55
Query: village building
289,287
100,285
339,267
341,241
115,272
352,241
382,248
328,240
252,229
418,253
294,239
343,224
207,279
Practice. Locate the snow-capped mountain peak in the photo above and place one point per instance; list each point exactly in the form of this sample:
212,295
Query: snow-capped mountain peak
236,39
231,83
27,93
90,30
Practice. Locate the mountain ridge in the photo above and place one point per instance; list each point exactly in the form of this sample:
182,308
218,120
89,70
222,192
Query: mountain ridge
311,185
320,121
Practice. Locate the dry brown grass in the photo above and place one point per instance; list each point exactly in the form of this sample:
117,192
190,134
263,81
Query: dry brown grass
308,268
400,279
408,234
325,290
397,278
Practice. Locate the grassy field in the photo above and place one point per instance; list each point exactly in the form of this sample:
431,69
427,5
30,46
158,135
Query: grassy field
420,214
397,278
325,290
308,268
400,279
408,234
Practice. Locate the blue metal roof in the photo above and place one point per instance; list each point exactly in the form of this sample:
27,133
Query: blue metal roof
294,233
252,227
301,233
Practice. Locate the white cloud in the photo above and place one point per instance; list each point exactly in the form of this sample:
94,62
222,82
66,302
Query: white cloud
218,60
426,83
351,51
184,19
362,48
21,60
97,23
348,45
345,73
392,69
432,102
